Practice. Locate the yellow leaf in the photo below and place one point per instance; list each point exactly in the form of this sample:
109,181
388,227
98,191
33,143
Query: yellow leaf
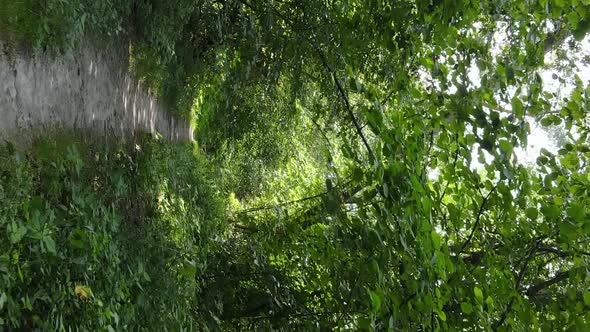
83,292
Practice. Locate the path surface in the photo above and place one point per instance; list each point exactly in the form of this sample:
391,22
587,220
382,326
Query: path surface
88,89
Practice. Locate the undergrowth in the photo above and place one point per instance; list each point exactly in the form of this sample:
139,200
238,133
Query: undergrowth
60,25
95,238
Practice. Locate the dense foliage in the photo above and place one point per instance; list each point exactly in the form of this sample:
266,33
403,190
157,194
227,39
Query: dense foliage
368,153
103,238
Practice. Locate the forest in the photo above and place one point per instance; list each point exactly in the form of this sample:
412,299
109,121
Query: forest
357,165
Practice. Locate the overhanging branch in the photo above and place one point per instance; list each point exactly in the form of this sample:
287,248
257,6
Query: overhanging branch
476,224
343,96
519,279
534,289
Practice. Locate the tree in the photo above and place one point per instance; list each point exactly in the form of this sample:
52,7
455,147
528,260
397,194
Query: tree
388,101
503,247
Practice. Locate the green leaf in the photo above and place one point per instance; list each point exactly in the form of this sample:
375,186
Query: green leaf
189,270
532,213
571,161
546,152
517,108
376,299
573,19
49,244
568,230
587,298
478,294
17,234
3,299
466,307
505,146
76,243
364,323
581,30
374,118
550,211
546,121
576,213
509,73
542,160
441,314
435,239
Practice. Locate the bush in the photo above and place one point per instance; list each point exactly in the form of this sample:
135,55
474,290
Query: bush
98,239
60,24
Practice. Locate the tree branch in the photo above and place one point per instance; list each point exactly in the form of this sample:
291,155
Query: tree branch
519,279
346,193
343,96
331,72
534,289
273,206
476,224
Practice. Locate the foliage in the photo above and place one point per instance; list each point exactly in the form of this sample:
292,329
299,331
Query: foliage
95,239
389,245
59,25
368,149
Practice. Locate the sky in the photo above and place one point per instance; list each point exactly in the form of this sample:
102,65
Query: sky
539,138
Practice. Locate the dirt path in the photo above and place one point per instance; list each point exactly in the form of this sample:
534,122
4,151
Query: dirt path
88,89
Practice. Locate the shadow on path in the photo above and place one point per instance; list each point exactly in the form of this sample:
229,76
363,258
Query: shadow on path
88,89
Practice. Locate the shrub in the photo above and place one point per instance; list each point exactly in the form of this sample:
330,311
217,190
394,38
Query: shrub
94,238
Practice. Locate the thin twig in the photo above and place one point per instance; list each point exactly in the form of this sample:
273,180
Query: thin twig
352,289
343,96
274,206
519,279
479,213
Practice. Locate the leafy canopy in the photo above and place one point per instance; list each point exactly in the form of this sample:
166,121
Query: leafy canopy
369,152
